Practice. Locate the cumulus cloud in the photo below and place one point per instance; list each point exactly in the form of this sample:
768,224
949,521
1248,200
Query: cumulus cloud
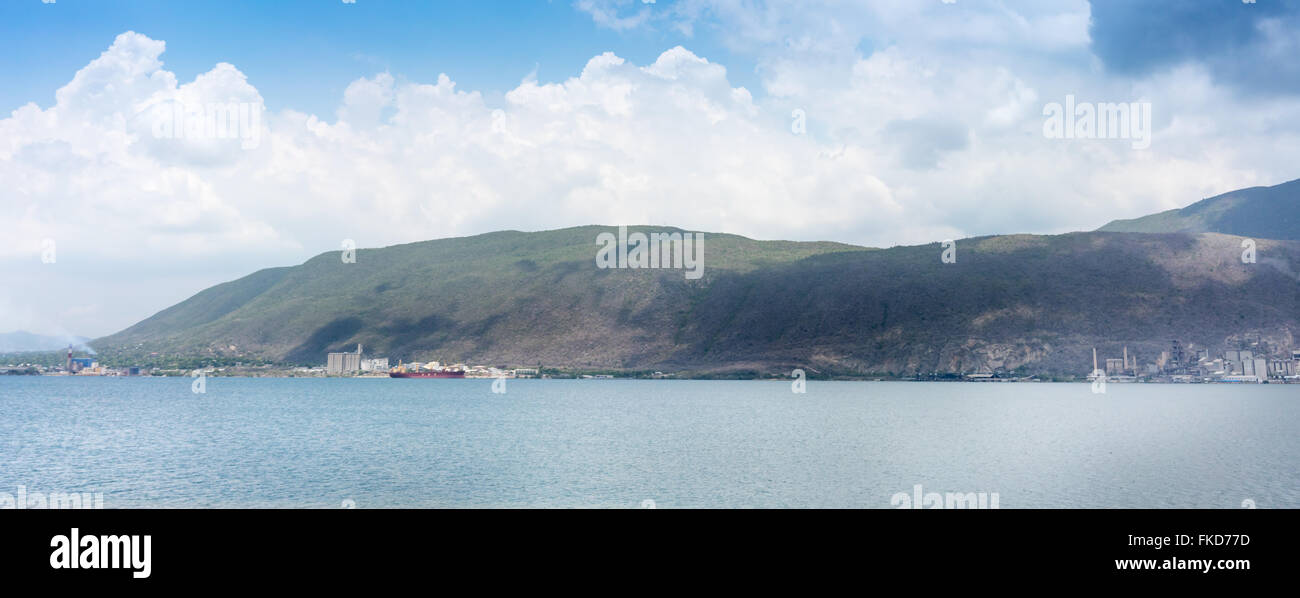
879,123
88,173
669,142
403,161
948,99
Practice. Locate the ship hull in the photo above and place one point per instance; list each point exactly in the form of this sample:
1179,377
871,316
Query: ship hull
427,374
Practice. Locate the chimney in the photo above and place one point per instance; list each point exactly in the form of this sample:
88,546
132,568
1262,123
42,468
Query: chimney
1094,359
68,368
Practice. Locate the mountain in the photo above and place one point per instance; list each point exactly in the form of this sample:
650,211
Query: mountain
1016,303
1257,212
21,341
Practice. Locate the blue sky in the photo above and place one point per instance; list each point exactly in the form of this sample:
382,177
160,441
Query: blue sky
303,53
875,122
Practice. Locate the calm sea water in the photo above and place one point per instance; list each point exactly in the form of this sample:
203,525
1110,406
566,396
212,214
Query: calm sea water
151,442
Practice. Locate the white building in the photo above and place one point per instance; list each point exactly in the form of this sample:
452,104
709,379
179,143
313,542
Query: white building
378,364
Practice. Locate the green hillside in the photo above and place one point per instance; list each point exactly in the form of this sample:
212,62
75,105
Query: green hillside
1258,212
1028,303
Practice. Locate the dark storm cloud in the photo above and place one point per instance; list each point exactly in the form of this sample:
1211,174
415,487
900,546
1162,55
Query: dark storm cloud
1249,45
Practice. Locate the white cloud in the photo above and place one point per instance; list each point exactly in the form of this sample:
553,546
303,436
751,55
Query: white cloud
606,13
933,132
671,142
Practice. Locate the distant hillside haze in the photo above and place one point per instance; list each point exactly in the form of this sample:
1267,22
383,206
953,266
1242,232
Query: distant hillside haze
1025,303
22,341
1257,212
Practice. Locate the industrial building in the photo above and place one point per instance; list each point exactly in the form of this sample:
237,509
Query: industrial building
337,364
1258,364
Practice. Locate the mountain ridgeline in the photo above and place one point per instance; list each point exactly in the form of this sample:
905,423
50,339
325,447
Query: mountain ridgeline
1017,303
1263,212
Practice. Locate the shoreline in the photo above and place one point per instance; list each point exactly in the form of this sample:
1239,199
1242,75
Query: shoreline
683,378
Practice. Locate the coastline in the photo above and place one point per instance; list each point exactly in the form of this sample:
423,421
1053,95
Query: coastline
766,378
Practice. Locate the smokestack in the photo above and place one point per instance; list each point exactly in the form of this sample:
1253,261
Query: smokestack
1094,359
68,367
1126,357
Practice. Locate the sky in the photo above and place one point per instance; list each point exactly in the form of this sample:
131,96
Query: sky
876,123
